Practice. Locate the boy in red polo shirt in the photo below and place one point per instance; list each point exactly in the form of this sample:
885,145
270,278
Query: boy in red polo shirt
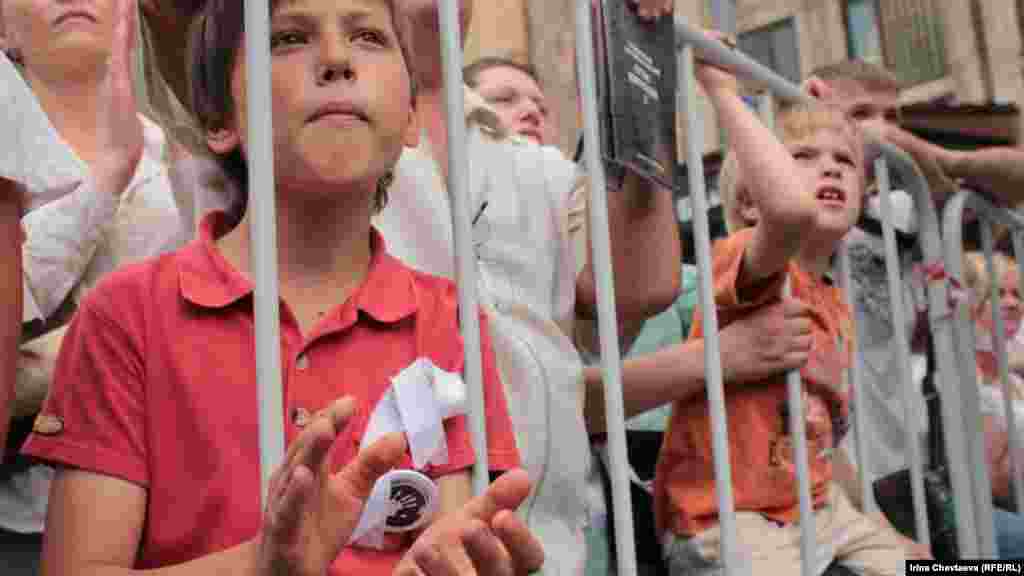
153,416
789,201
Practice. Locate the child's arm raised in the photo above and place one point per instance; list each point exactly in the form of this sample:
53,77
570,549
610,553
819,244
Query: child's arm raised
769,175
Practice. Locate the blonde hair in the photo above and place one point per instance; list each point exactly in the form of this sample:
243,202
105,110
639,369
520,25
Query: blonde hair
793,122
977,280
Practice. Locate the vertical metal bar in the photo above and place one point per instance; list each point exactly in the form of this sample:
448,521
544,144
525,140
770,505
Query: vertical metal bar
263,238
723,15
797,427
766,110
1018,252
958,389
729,551
860,427
797,422
999,343
465,257
608,331
911,415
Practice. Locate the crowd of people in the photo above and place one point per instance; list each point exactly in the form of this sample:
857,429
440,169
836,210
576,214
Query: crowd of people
128,401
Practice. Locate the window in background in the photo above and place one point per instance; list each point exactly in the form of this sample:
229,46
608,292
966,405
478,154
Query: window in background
904,35
775,47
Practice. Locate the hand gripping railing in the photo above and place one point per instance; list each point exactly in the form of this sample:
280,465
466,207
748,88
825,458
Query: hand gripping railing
963,330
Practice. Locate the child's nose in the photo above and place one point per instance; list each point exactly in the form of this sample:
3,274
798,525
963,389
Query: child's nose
335,62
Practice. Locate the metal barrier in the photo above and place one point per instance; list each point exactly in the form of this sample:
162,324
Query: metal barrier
963,330
690,39
975,534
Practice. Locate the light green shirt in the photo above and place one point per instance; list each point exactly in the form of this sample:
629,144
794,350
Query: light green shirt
666,329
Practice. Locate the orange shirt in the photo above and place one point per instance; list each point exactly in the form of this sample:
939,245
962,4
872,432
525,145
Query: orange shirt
760,445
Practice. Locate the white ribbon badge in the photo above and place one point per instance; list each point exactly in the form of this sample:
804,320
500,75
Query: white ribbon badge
421,397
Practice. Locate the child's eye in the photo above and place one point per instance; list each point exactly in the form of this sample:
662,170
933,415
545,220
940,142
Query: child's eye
375,37
287,38
803,155
861,113
844,159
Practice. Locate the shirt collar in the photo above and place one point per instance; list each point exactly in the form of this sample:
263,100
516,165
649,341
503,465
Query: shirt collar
208,280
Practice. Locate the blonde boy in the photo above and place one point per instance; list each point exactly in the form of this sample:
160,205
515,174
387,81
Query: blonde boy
789,202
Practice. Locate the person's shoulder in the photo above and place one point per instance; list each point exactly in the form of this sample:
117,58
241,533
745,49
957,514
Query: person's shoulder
434,294
133,288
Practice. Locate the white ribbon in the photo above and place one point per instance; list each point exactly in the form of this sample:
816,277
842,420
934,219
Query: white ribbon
421,397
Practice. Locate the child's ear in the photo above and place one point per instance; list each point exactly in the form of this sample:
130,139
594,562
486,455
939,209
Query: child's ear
748,210
223,141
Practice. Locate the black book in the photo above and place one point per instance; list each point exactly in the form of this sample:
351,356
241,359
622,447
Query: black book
636,83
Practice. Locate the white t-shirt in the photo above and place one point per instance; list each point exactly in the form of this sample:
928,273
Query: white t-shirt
526,283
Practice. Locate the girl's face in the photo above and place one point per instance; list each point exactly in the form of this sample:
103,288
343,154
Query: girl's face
1010,306
59,37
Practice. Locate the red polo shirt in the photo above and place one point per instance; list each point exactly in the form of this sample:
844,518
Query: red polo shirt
156,384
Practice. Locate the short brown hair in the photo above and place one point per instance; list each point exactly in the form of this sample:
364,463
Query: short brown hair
867,75
214,40
793,121
471,73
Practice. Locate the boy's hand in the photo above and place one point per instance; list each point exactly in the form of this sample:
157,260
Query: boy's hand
483,537
713,79
311,513
118,127
771,340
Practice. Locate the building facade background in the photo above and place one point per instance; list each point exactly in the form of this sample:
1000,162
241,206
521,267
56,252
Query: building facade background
949,52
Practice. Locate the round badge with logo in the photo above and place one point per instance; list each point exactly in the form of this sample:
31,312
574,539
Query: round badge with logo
413,500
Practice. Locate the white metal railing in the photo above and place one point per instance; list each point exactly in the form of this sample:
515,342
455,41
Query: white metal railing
690,40
953,224
975,534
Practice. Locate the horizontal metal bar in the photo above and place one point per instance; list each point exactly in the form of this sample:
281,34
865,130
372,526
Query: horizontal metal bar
996,214
717,53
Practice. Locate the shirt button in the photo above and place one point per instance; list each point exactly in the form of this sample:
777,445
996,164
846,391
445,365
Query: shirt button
300,417
302,362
